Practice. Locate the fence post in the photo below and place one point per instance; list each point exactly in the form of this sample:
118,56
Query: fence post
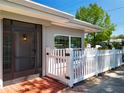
113,58
47,60
70,70
97,61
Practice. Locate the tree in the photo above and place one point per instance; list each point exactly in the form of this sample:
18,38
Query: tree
97,16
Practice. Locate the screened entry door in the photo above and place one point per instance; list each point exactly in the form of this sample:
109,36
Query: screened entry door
25,53
22,49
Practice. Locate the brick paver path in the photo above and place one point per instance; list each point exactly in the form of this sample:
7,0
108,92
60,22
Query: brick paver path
38,85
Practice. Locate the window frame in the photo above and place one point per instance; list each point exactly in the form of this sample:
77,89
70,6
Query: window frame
70,36
78,38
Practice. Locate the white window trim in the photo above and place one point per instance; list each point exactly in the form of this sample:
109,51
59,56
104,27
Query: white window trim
69,38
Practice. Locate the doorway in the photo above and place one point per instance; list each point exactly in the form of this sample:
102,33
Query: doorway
22,49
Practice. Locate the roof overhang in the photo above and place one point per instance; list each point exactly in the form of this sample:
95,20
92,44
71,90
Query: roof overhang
56,17
5,5
76,26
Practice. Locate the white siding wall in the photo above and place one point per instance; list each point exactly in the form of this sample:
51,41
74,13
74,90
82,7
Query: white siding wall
1,53
23,18
49,33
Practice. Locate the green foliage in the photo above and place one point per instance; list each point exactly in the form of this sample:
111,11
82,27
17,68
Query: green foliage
123,43
121,36
97,16
105,46
117,45
85,43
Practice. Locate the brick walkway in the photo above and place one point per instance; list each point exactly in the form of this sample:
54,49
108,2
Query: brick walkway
38,85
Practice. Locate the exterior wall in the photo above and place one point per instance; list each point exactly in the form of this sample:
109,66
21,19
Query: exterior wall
49,32
1,53
52,31
18,17
83,46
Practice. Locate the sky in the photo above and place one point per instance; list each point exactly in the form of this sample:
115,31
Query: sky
115,9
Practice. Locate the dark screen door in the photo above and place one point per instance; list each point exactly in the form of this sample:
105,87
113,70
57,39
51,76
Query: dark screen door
25,53
22,49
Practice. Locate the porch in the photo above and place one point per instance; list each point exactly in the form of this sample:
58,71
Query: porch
37,85
71,66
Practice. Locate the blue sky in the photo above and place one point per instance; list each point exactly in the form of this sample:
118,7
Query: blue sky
115,9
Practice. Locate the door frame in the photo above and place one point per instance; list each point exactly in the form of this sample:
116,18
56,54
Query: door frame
38,29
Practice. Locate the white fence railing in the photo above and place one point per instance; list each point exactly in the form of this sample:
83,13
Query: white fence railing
56,64
74,65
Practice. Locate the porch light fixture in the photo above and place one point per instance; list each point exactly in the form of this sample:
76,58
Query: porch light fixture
24,37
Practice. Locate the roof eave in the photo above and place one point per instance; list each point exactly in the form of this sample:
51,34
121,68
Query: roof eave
26,11
42,8
83,23
76,26
28,8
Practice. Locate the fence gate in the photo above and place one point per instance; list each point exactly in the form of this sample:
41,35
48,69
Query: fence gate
56,62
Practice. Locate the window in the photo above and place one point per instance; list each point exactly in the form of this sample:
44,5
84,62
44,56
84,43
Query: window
75,42
62,42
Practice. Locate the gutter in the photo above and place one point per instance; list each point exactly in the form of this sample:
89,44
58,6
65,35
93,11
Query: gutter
76,21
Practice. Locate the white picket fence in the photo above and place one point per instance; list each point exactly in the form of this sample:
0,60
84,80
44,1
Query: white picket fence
56,64
71,66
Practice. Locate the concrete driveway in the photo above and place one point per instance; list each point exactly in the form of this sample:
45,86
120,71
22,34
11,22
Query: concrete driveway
109,82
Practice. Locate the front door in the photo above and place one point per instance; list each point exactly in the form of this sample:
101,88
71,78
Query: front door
22,49
25,44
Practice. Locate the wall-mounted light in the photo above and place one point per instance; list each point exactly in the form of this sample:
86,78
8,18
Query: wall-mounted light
24,37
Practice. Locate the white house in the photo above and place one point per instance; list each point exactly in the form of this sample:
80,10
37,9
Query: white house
116,40
27,29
